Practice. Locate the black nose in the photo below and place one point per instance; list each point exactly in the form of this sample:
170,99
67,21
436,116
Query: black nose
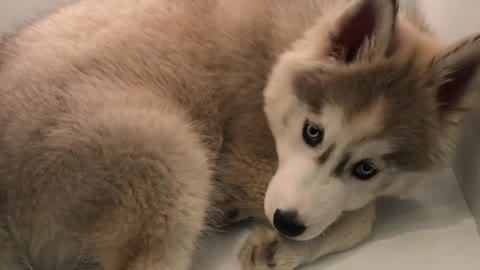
287,223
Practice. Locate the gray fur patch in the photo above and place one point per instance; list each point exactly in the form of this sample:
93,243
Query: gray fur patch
324,157
340,168
410,116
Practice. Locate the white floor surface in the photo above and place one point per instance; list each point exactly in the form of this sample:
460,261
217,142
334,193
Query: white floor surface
431,228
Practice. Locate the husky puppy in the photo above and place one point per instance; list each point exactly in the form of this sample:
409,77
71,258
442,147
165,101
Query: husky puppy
127,128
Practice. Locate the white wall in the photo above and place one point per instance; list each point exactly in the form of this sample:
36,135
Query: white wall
453,19
14,12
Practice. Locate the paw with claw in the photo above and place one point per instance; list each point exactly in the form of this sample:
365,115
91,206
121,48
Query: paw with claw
266,250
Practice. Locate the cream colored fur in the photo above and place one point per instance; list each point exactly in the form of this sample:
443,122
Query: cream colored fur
130,128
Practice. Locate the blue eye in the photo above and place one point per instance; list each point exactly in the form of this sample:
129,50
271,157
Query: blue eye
312,134
364,170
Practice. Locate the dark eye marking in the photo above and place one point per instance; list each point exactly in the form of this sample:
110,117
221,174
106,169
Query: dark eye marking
324,157
341,165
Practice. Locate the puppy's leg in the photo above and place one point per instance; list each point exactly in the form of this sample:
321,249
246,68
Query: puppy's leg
266,250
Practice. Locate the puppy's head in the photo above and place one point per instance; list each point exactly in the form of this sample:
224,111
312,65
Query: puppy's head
360,109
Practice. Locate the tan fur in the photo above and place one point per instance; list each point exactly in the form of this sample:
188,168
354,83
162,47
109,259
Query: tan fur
128,127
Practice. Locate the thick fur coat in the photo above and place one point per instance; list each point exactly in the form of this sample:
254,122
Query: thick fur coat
129,128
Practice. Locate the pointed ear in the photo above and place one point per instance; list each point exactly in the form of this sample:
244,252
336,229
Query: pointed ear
366,26
456,78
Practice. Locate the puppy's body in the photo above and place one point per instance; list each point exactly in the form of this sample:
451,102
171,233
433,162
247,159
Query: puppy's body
126,126
113,115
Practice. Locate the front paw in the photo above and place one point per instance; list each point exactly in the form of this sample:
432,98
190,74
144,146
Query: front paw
265,250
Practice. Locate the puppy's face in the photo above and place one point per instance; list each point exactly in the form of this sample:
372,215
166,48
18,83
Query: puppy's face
352,121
